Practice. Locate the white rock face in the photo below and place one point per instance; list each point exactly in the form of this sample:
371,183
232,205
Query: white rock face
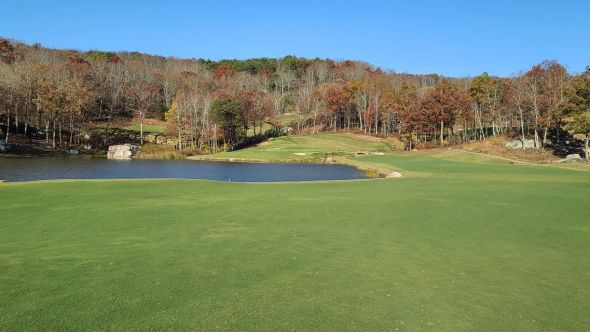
521,144
122,152
394,175
571,158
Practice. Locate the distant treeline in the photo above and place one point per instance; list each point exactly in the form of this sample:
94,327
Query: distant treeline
66,94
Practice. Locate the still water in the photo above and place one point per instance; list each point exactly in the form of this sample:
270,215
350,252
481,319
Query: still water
47,168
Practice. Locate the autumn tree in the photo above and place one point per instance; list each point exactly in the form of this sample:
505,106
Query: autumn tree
554,83
7,51
142,95
486,93
337,101
442,104
578,94
517,100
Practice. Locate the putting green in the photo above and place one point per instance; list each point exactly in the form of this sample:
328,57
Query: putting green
303,147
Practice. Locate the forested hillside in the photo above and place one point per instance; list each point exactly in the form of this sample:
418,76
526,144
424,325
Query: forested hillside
66,98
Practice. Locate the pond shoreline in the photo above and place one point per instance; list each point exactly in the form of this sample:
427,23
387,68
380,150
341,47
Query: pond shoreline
382,170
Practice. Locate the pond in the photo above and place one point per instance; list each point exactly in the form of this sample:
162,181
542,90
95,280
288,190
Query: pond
48,168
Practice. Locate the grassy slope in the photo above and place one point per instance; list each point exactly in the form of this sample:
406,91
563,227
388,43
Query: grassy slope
285,148
147,128
477,245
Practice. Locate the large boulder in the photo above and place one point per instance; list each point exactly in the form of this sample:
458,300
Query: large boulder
571,158
528,144
150,138
516,144
160,139
122,152
521,144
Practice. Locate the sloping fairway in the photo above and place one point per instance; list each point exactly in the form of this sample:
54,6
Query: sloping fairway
303,147
475,244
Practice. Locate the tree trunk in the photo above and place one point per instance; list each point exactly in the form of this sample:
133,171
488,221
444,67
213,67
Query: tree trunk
7,126
545,135
71,131
587,150
442,128
141,127
537,141
16,119
334,123
59,131
179,130
360,119
53,135
521,123
100,109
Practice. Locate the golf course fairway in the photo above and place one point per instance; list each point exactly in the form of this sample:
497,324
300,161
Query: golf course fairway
460,242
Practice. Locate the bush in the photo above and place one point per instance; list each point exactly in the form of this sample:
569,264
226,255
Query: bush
274,132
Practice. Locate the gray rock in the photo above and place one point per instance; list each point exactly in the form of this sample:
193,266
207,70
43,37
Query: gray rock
516,144
521,144
528,144
394,175
160,139
122,152
571,158
330,159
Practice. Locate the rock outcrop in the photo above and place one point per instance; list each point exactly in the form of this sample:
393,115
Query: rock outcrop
521,144
122,152
571,158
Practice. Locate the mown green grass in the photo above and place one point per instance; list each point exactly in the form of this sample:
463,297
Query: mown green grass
303,147
475,244
147,128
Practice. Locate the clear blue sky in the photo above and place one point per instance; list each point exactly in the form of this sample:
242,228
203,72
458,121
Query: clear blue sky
453,38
